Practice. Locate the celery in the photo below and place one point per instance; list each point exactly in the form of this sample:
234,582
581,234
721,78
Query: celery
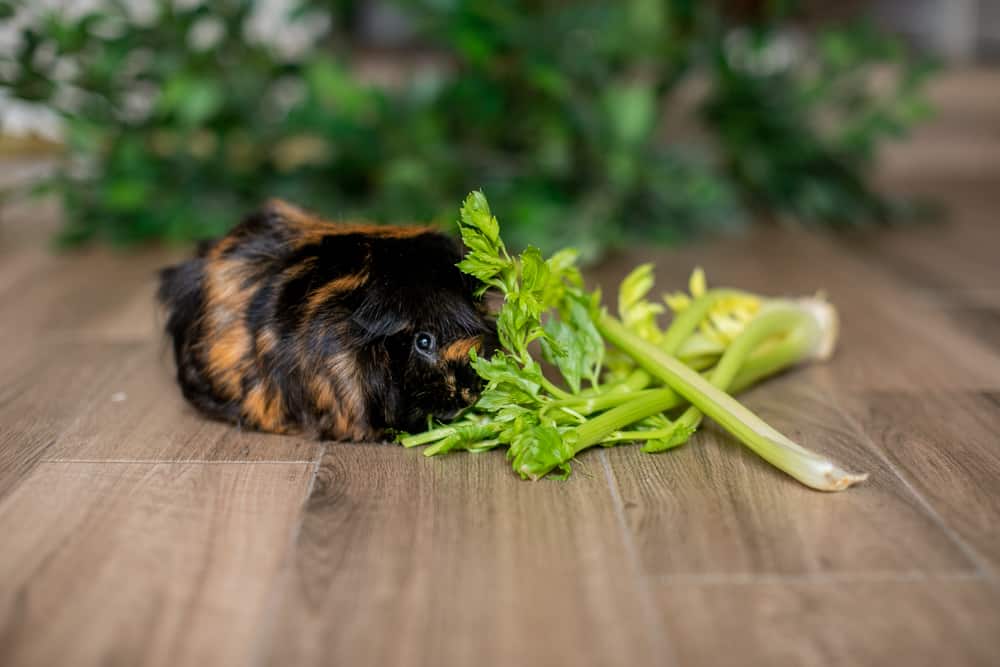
719,341
775,319
808,467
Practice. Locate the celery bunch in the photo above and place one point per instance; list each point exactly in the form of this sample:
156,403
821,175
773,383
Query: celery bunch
653,386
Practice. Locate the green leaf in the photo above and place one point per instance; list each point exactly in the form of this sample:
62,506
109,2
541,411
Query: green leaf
538,451
574,345
193,99
636,312
337,91
508,382
630,112
475,215
486,257
534,272
126,194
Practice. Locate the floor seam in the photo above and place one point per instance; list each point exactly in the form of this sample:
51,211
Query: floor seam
663,644
872,577
269,615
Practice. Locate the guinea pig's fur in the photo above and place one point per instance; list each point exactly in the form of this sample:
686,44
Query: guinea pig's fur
294,324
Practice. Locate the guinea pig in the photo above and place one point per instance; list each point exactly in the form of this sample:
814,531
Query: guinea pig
291,324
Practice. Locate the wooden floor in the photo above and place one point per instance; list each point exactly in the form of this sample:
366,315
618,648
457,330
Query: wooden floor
133,532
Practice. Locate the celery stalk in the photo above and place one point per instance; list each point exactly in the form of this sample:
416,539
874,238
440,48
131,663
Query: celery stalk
807,467
776,318
680,330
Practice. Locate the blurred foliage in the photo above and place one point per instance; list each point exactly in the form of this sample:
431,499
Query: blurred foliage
178,123
800,142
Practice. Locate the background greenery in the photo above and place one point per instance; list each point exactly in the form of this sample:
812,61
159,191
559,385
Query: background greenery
179,123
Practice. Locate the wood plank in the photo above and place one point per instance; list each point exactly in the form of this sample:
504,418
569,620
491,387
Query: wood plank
944,444
143,564
41,395
138,414
90,294
982,323
454,561
26,225
115,401
814,623
715,507
16,264
974,298
954,258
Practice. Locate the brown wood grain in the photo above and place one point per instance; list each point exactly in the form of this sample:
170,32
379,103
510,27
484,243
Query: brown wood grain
42,393
810,623
982,322
966,263
714,507
139,414
153,564
116,401
454,561
89,294
945,445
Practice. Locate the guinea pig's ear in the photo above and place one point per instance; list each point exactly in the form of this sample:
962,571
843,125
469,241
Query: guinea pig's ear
375,321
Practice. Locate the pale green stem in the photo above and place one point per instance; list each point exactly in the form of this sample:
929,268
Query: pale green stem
632,436
681,327
808,467
427,436
790,350
554,390
775,319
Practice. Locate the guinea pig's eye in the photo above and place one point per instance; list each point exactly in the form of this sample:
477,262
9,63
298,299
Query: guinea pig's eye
425,342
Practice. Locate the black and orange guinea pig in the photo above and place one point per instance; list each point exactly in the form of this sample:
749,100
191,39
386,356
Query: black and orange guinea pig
292,324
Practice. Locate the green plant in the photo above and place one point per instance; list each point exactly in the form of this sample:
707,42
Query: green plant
730,337
177,124
801,141
174,141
